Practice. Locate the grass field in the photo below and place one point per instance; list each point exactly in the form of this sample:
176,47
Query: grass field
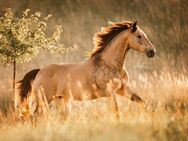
164,117
161,81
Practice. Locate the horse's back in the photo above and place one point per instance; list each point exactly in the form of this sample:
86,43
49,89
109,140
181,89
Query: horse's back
51,71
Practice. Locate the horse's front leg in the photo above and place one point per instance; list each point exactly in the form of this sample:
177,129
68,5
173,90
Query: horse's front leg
111,96
134,96
126,91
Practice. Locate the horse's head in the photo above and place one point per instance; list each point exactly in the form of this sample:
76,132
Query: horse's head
138,40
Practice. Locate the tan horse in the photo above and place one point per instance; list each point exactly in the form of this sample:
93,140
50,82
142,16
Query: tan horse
101,75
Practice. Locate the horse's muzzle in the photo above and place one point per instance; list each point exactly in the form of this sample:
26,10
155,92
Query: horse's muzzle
150,53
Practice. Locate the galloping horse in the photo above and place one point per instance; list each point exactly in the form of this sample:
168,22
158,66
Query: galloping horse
101,75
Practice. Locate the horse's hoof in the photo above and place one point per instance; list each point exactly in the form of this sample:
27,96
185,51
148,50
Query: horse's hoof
136,98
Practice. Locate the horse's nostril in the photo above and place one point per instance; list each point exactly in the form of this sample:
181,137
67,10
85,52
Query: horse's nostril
150,53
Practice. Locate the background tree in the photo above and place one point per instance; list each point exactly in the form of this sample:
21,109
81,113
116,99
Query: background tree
21,38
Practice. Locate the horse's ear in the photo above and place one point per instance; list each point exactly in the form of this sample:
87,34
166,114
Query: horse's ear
133,28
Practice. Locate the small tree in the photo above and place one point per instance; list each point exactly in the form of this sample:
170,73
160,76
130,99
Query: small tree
22,38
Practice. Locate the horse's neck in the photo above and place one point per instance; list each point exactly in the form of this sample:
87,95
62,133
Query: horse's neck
114,55
110,62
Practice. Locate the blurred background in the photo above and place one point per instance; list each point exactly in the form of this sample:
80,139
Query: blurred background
164,21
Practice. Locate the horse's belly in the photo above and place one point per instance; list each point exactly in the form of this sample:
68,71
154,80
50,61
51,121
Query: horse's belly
84,91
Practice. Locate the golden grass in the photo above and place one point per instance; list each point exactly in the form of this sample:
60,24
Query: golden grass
163,117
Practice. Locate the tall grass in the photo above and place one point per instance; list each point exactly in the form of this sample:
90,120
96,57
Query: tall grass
164,117
161,81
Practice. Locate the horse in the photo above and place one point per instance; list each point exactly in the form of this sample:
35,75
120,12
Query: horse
102,74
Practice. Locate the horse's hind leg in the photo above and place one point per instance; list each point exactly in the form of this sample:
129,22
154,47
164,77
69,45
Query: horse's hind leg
42,107
62,106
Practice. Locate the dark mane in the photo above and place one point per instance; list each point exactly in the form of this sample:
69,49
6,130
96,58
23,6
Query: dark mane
103,38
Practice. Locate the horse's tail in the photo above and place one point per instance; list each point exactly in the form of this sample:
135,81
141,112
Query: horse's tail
25,84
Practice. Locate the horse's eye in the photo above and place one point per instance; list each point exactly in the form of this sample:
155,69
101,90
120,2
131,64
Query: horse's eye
139,36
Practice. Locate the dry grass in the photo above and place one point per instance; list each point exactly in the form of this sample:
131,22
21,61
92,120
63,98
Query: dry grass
161,81
164,117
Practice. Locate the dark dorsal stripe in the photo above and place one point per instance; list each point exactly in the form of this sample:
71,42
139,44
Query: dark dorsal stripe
103,38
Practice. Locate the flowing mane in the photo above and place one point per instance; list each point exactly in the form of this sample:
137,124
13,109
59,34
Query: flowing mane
105,36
